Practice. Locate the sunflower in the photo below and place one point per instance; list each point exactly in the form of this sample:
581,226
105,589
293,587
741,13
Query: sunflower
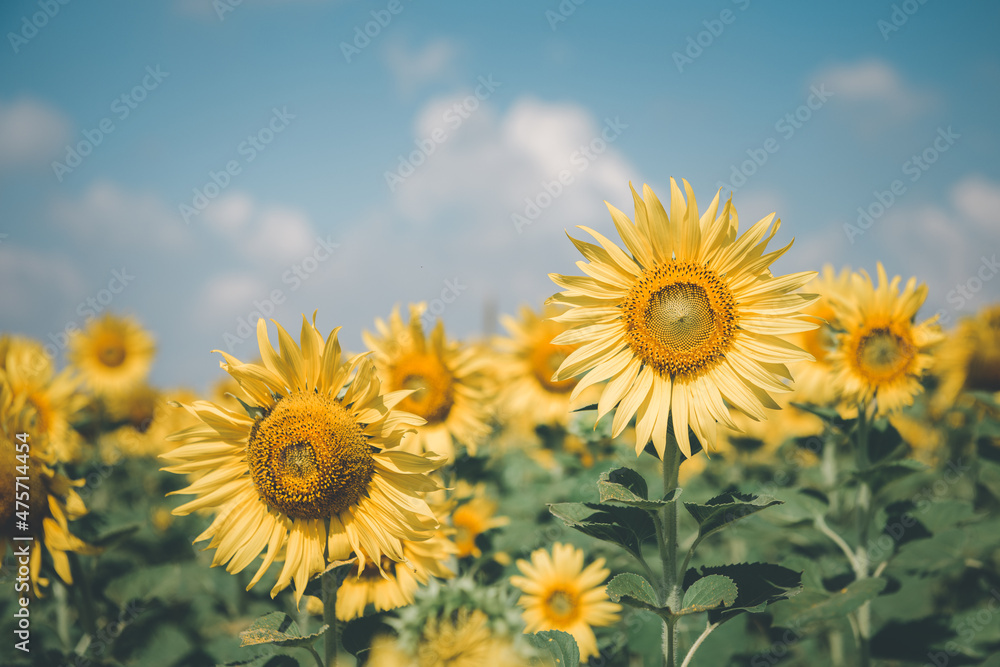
685,324
474,517
312,470
559,594
971,359
393,584
881,353
30,373
147,418
527,365
464,638
112,353
51,503
447,379
814,379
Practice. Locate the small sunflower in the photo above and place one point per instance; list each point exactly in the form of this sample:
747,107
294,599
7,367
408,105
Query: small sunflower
30,374
971,358
560,594
446,378
881,354
474,517
685,324
52,501
528,364
113,354
393,584
314,472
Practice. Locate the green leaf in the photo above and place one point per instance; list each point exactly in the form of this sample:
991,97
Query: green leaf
627,487
797,507
844,602
715,590
628,527
757,584
558,644
884,442
634,591
882,474
725,509
277,628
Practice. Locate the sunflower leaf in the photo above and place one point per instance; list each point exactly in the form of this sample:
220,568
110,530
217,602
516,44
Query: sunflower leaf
253,411
277,628
715,590
559,645
726,509
628,527
757,585
633,590
837,605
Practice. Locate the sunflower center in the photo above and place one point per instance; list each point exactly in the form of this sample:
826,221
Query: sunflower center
433,386
680,319
308,458
545,360
561,605
883,354
111,351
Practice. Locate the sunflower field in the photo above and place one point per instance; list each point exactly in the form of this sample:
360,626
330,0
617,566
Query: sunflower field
679,458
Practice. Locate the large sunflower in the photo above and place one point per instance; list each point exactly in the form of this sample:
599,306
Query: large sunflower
314,474
30,374
560,594
971,359
686,323
447,380
881,353
113,354
51,502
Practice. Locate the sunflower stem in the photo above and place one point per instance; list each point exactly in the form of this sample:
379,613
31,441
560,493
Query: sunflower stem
668,547
864,613
331,638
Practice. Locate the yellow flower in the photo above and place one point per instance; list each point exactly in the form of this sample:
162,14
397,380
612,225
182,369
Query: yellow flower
527,366
685,324
447,380
881,354
474,517
149,418
113,354
49,499
393,584
560,594
971,358
315,473
30,374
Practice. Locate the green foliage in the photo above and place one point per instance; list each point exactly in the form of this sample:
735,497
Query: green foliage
557,645
279,629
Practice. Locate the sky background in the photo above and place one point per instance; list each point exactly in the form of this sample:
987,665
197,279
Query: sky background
321,125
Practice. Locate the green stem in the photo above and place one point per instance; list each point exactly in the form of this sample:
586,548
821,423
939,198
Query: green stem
864,514
315,655
331,638
87,613
668,548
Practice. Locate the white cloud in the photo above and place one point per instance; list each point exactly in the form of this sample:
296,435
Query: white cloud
413,68
31,133
979,200
271,235
873,94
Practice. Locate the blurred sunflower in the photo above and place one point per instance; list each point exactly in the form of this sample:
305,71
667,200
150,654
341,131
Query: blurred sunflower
113,354
971,358
146,417
30,374
814,379
686,322
560,594
474,516
881,353
528,362
393,584
52,501
446,378
314,474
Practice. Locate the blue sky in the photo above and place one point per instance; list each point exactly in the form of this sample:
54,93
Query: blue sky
811,110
